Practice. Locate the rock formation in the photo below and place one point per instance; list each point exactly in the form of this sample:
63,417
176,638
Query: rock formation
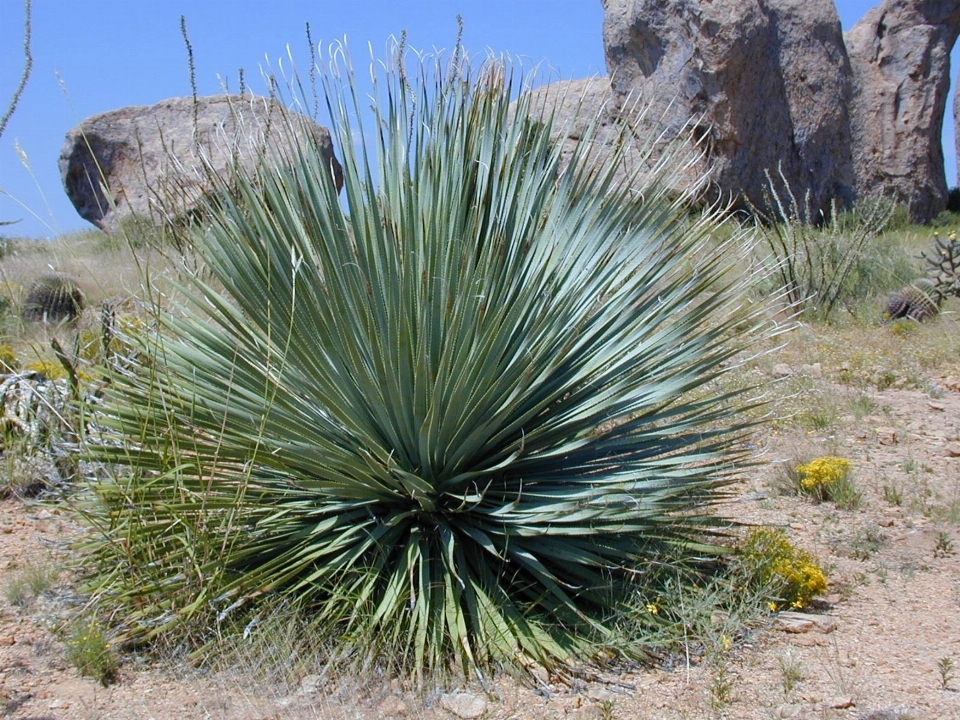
150,157
767,82
576,105
900,56
956,123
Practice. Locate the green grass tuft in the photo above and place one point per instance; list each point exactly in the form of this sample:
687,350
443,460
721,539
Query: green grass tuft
88,650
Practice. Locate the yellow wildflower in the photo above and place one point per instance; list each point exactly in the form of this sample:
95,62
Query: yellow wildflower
8,358
822,472
791,573
50,369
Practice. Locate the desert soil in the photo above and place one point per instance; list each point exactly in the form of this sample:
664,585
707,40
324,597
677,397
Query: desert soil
878,645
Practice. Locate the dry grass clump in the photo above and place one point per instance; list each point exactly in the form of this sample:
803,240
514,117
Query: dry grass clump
32,581
880,357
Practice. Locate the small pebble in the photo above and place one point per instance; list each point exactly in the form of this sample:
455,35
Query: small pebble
841,702
887,435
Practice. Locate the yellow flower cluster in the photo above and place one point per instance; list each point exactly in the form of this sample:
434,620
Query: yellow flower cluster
789,572
88,345
54,370
8,358
803,577
50,369
823,472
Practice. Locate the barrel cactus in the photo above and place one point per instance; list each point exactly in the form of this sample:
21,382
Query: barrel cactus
53,298
922,299
919,301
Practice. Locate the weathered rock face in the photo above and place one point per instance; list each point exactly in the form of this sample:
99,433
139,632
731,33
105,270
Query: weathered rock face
767,81
574,105
956,122
900,56
150,156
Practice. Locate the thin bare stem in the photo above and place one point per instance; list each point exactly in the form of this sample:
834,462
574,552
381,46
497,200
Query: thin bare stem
27,67
193,74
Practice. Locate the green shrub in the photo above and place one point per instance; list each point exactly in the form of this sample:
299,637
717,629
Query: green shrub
953,201
946,219
448,418
825,263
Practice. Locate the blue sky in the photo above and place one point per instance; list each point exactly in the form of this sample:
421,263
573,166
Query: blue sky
91,56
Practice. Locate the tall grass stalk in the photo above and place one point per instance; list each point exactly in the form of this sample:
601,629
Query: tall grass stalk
819,261
25,74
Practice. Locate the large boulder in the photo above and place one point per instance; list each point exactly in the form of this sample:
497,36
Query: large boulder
900,56
585,109
573,106
766,81
155,161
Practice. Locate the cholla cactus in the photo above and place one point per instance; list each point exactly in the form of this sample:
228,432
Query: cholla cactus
943,264
921,300
53,298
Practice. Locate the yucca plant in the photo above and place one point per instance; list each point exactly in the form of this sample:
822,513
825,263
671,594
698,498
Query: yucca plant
452,415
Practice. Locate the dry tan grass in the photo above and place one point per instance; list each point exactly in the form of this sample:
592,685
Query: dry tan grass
108,269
